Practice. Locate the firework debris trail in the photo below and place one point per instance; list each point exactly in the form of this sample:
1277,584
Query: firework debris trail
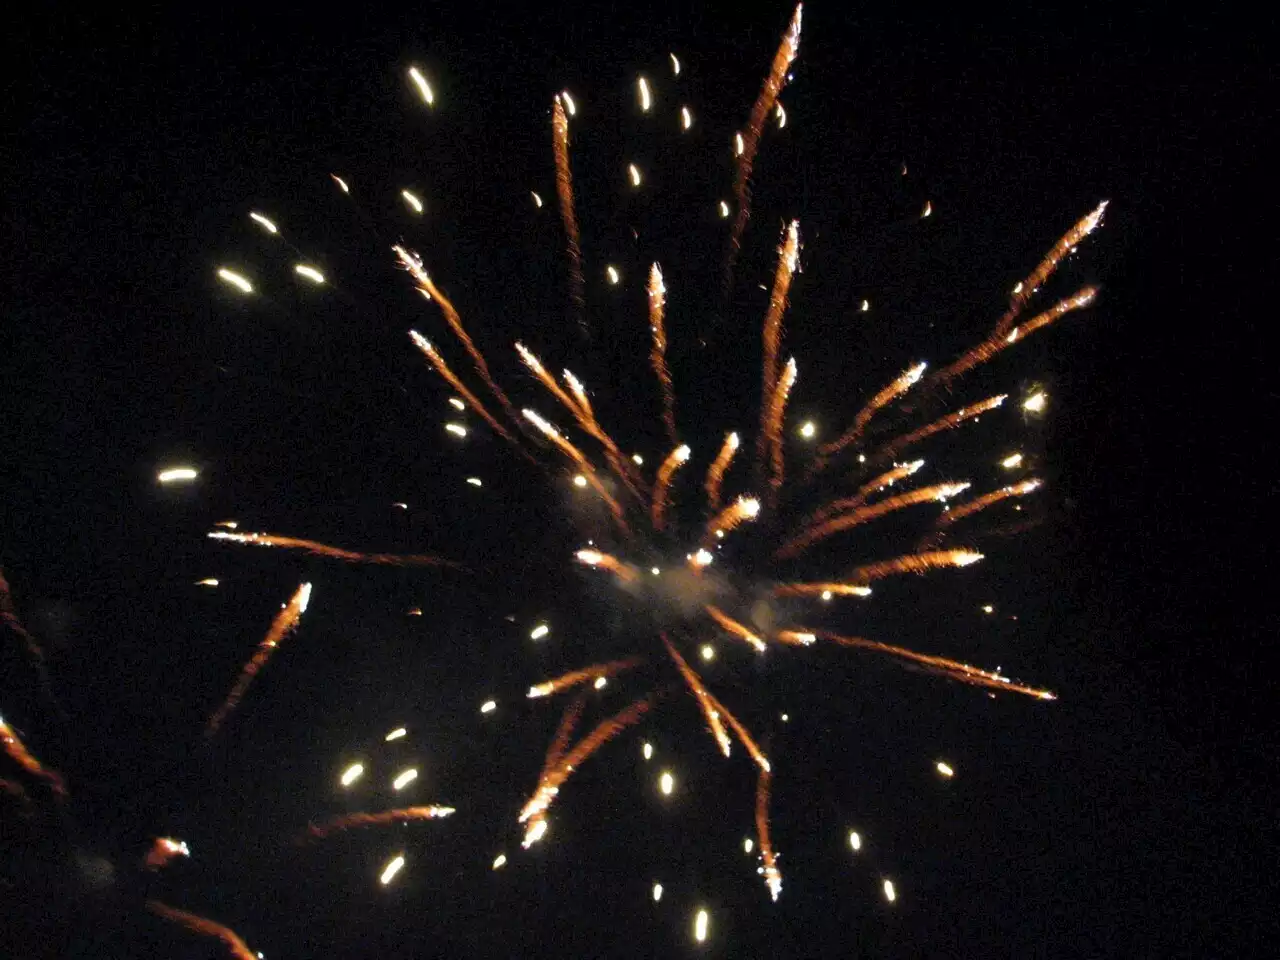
742,509
575,677
940,665
337,553
768,858
715,473
773,428
564,190
890,393
699,691
619,568
949,422
163,851
977,504
734,628
771,334
574,454
657,292
564,730
861,576
235,947
318,831
874,485
750,138
662,483
17,751
35,653
283,623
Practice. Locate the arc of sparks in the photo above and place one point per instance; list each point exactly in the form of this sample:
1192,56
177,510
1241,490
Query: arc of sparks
564,190
750,140
771,332
336,553
773,428
658,507
715,474
954,669
894,390
318,831
658,354
577,456
768,857
741,732
230,940
732,626
874,485
575,677
868,573
281,626
950,421
933,539
742,509
17,751
699,691
564,730
619,568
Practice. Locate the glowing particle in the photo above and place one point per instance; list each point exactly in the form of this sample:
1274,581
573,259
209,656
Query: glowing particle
700,926
808,429
724,210
702,558
237,281
310,273
404,778
612,272
855,840
207,582
647,750
474,481
457,429
945,769
637,460
747,845
414,203
786,718
708,652
1011,461
686,118
579,481
1018,287
489,706
176,474
1035,403
569,105
394,866
227,524
738,145
675,64
666,783
499,861
342,184
657,892
457,403
537,200
601,683
540,631
267,225
537,830
862,458
826,596
719,534
415,611
928,210
646,100
634,173
866,306
781,113
352,774
395,734
988,608
424,88
890,893
655,570
805,639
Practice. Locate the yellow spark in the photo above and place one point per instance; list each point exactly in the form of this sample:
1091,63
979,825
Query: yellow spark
237,281
1018,287
1011,461
988,609
700,926
342,184
457,404
1035,403
724,210
666,783
781,114
808,429
499,861
394,866
352,774
537,200
489,706
424,88
457,429
702,558
866,306
537,830
176,474
414,203
634,173
415,611
404,778
708,652
568,103
738,145
646,101
474,481
395,734
311,273
657,892
227,524
207,582
655,571
719,534
785,718
928,209
855,840
601,683
945,769
540,631
890,893
267,225
747,845
686,118
612,271
826,595
675,64
579,480
647,750
637,460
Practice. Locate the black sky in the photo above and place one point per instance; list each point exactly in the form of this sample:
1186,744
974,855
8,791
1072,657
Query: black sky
1127,819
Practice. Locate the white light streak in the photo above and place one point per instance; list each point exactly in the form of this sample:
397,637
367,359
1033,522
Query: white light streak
237,281
424,88
267,225
412,200
394,866
352,774
540,631
309,273
404,778
177,474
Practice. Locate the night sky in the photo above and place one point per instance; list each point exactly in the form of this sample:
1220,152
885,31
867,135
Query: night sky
1126,819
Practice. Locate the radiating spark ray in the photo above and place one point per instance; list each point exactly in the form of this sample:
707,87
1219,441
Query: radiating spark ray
576,677
234,947
235,280
264,222
657,292
699,691
773,428
18,753
894,390
874,485
437,361
733,627
336,553
951,420
350,821
769,859
564,190
619,568
658,507
576,455
847,521
715,474
424,88
771,332
742,509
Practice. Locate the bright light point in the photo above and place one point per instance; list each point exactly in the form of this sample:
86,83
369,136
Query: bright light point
703,557
227,524
806,638
589,557
747,845
646,101
237,281
634,173
537,830
304,597
569,105
404,778
666,783
965,558
724,210
352,774
310,273
540,631
657,892
682,452
866,305
601,683
855,840
414,203
808,429
394,866
928,209
579,481
1009,462
457,403
1018,288
786,718
781,113
537,200
395,734
267,225
176,475
655,570
719,534
890,893
499,861
1035,403
647,750
708,652
474,481
944,768
613,275
700,926
207,582
862,458
489,706
988,609
424,88
457,429
826,596
342,184
675,64
686,118
738,145
637,460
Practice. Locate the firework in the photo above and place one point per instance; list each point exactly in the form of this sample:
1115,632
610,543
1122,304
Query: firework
864,514
699,691
773,427
859,577
715,474
17,751
576,455
771,336
564,189
575,677
874,485
894,390
768,858
205,927
658,355
619,568
350,821
284,622
433,355
745,508
949,422
658,507
564,730
734,628
163,851
959,512
336,553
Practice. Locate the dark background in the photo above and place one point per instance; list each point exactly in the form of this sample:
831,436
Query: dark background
1130,818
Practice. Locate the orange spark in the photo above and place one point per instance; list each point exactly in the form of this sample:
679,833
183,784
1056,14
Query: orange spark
576,455
575,677
773,427
951,420
658,354
715,475
895,389
963,510
874,485
162,851
564,188
318,831
658,508
337,553
17,751
700,694
568,722
442,368
619,568
729,625
744,508
235,947
861,576
771,335
769,860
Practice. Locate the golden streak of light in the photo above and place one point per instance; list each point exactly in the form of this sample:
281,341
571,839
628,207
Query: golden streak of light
1035,403
227,524
747,845
945,769
318,831
700,926
890,892
233,946
874,485
266,223
415,612
1012,461
646,99
686,118
724,210
620,569
647,750
569,105
742,509
17,751
457,403
404,778
207,582
425,294
394,866
612,272
860,576
424,88
773,425
176,474
162,851
897,388
666,783
703,697
708,652
489,706
537,830
564,730
771,332
499,861
781,113
537,200
540,631
475,481
657,298
657,892
865,306
796,638
733,627
457,429
950,421
768,858
351,774
601,683
412,200
309,273
715,474
675,64
575,677
336,553
437,361
342,184
280,628
738,145
395,734
235,280
927,211
855,840
958,513
576,455
673,462
633,172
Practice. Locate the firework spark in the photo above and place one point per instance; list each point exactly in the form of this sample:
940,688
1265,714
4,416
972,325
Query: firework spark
318,831
564,189
658,356
734,628
336,553
658,507
575,677
853,518
771,336
768,858
17,751
230,940
442,368
163,851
